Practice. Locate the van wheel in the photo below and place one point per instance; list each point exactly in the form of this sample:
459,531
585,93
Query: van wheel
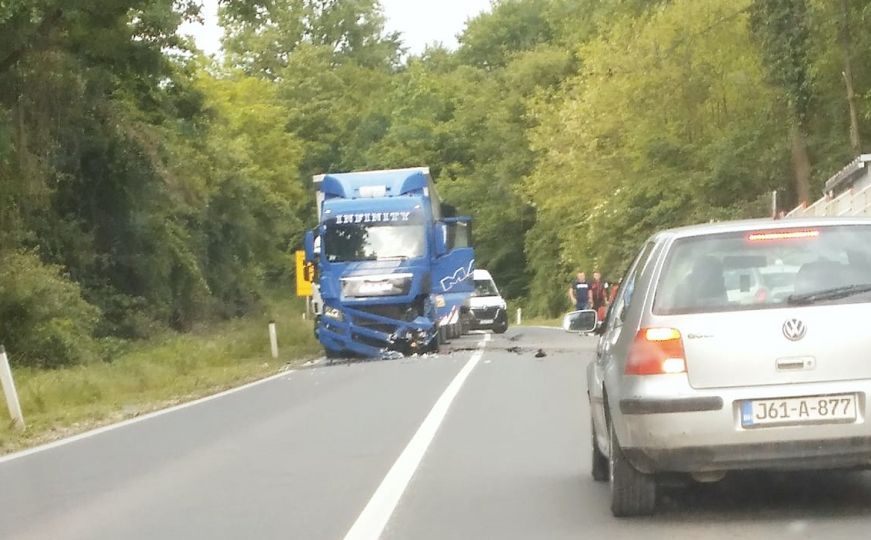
600,460
633,493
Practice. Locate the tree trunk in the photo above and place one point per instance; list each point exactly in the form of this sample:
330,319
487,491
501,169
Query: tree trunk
855,136
801,163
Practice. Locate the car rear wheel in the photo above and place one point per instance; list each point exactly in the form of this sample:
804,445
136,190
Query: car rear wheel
633,493
600,460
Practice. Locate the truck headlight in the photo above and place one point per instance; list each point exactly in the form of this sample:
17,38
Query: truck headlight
333,313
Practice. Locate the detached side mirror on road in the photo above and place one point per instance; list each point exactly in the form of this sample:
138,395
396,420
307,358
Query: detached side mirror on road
582,322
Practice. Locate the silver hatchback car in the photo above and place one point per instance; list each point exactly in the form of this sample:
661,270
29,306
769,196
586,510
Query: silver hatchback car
694,375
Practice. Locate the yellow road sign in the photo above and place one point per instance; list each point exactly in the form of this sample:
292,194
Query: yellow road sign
305,275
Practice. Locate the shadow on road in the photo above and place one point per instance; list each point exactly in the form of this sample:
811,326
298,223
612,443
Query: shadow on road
761,495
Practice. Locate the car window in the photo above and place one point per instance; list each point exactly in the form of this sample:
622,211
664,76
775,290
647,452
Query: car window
626,292
741,270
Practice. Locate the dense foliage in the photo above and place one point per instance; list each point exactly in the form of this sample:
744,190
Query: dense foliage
144,186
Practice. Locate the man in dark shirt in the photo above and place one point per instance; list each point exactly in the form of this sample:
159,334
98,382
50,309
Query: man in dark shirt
579,292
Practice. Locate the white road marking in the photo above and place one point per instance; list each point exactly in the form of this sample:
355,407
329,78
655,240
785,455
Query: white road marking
143,418
542,327
372,521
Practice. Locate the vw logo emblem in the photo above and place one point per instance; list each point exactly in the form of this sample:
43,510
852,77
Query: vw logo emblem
794,329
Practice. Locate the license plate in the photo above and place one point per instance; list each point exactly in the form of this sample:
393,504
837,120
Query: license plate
803,410
486,321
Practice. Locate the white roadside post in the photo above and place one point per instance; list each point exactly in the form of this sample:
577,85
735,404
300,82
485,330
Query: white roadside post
519,316
273,340
9,391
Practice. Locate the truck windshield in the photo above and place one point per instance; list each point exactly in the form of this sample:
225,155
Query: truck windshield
372,242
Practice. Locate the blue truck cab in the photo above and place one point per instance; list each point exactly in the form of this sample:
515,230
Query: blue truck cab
391,268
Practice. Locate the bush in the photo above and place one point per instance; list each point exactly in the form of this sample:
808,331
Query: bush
44,321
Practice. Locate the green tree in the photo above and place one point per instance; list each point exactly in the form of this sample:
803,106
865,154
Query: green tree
669,121
261,36
782,29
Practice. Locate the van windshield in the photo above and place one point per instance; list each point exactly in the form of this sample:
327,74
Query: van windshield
485,287
766,269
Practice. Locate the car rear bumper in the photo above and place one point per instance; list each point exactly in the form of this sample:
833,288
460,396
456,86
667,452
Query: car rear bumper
854,452
666,426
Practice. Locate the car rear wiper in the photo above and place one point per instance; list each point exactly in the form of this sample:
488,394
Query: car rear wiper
835,293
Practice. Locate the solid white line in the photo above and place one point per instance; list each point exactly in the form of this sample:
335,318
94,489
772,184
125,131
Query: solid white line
542,327
375,516
143,418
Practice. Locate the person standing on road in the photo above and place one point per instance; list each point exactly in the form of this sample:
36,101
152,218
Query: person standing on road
598,294
579,292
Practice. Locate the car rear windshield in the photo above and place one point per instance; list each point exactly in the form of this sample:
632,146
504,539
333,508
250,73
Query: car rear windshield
764,269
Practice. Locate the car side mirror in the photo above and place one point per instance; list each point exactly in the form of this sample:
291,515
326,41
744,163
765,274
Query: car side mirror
582,322
441,239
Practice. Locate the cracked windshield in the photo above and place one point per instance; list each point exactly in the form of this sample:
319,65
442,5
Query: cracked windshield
428,269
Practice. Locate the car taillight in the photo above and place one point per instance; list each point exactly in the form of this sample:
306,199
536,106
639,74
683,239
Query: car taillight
656,351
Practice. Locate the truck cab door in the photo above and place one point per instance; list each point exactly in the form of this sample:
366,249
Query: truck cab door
454,263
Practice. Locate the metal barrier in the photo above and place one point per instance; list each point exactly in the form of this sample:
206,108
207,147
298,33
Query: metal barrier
849,203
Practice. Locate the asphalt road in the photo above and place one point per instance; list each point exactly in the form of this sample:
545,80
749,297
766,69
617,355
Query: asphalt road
486,441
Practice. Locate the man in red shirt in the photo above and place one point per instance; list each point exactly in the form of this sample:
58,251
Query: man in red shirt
599,294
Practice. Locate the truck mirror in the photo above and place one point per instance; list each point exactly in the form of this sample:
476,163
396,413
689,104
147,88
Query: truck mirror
309,246
441,239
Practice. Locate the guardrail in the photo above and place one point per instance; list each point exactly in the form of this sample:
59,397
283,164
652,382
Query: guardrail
849,203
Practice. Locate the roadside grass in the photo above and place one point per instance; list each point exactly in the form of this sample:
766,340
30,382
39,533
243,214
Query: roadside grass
153,374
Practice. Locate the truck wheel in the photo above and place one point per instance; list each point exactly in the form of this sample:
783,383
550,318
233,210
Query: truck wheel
600,460
435,343
633,493
454,331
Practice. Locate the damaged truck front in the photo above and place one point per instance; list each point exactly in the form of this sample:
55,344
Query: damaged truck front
391,267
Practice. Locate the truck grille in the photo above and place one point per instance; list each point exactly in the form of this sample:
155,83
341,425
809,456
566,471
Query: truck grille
371,325
399,312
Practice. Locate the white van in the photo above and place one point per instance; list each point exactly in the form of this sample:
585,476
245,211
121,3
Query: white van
487,307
